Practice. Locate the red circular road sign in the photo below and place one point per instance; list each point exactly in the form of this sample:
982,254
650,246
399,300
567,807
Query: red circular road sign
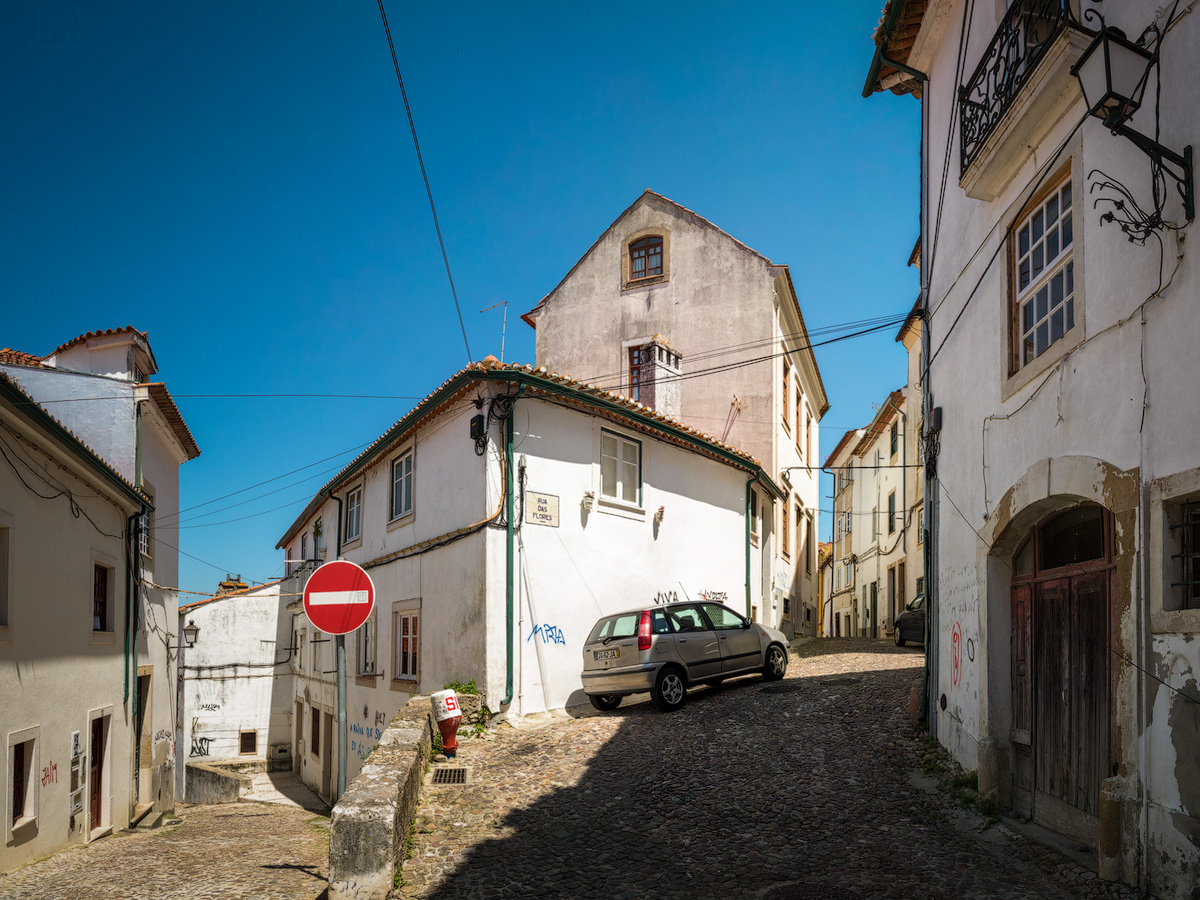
338,597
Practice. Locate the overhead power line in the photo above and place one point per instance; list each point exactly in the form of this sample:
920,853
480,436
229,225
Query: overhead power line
428,190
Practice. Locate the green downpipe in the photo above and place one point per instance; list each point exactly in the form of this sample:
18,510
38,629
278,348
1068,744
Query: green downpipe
508,553
130,556
749,497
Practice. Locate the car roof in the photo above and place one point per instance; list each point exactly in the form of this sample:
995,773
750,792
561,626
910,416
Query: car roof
653,606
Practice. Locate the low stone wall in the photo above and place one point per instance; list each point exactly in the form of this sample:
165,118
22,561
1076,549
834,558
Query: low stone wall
213,784
368,830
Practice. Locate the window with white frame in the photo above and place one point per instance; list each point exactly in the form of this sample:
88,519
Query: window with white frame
1043,275
402,485
102,583
753,513
892,512
405,644
365,638
787,380
146,523
304,545
353,529
620,468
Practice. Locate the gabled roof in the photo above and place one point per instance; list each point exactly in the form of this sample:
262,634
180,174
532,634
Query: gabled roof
898,27
530,316
162,397
107,332
534,383
887,412
225,596
12,396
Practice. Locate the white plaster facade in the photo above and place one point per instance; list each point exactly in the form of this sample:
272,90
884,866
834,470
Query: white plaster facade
577,553
715,305
238,676
1103,418
62,672
96,386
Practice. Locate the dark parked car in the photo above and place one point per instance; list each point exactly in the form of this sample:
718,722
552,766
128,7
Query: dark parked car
667,649
910,624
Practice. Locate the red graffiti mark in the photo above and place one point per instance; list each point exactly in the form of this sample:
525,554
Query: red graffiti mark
955,655
50,774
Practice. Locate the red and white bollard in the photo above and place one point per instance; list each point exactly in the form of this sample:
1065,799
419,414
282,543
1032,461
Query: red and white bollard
449,716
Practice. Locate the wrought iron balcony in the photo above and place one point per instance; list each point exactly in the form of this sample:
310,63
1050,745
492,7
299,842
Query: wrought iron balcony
1025,34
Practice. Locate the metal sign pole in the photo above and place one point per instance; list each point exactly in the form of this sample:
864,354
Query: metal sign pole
341,714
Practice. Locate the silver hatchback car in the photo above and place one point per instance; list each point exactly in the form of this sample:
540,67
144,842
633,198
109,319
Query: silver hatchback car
666,649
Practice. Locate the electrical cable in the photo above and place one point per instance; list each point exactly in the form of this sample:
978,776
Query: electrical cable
428,190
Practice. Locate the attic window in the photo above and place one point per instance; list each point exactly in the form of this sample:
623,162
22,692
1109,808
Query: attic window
646,258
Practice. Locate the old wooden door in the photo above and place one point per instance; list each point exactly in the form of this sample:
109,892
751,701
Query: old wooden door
95,772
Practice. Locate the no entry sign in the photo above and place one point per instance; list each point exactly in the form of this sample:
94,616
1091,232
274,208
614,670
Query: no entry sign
338,597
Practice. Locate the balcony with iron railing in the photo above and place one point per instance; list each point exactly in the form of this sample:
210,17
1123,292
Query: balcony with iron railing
1025,34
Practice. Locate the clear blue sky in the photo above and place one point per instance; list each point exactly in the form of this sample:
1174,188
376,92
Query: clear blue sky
239,181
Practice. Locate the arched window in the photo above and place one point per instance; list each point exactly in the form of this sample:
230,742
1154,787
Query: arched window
646,258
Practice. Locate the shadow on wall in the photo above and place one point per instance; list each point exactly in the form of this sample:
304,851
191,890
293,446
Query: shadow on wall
747,786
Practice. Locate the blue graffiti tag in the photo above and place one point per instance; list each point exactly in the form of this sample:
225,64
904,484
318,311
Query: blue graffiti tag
551,634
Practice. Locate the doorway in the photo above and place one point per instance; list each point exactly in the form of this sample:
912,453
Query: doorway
1062,585
298,739
327,756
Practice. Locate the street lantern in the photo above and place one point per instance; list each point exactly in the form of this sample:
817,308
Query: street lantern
190,632
1113,73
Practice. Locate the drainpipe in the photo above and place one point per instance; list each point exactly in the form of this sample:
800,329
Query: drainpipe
130,555
508,550
928,710
340,649
749,494
903,486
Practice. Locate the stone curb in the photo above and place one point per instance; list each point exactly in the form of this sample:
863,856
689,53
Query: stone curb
368,830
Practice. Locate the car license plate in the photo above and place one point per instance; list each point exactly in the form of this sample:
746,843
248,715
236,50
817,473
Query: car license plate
607,654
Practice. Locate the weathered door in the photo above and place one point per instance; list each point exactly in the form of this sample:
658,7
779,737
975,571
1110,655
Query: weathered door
1021,733
95,773
1088,708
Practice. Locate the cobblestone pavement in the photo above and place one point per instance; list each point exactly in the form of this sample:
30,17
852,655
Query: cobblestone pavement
237,851
814,786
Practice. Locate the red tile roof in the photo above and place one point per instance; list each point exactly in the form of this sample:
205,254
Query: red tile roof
898,45
426,409
162,397
250,589
84,338
20,358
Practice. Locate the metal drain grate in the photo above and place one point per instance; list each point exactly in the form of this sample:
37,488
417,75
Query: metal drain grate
451,775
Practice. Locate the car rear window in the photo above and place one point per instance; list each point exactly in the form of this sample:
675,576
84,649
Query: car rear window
622,626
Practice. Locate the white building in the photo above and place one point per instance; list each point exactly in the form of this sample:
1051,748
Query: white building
237,676
499,520
671,311
1061,321
92,704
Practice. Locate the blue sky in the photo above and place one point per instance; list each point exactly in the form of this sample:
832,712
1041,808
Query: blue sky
239,181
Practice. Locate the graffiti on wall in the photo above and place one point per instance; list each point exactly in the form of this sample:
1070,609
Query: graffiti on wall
714,596
665,597
209,707
50,774
551,634
201,746
956,650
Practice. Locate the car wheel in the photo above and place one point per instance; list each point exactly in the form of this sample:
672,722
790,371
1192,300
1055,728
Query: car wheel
605,702
776,664
896,634
669,689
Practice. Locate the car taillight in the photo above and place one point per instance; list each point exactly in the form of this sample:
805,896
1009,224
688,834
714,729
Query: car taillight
644,631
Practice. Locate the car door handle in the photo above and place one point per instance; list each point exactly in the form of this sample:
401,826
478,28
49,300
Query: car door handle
683,640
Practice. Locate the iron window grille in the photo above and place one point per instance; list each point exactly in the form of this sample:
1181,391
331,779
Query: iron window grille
1024,35
1188,531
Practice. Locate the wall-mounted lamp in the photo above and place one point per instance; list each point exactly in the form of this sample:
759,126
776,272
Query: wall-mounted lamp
1113,73
190,632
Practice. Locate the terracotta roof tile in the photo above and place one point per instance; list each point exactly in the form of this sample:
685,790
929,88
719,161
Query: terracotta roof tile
19,358
84,338
900,43
162,397
423,410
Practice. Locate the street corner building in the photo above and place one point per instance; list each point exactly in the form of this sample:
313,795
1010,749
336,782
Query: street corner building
1063,469
515,506
88,493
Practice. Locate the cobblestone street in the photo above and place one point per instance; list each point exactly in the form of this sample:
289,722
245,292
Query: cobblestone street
815,786
238,851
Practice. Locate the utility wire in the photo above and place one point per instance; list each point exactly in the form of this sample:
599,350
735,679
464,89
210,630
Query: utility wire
428,190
